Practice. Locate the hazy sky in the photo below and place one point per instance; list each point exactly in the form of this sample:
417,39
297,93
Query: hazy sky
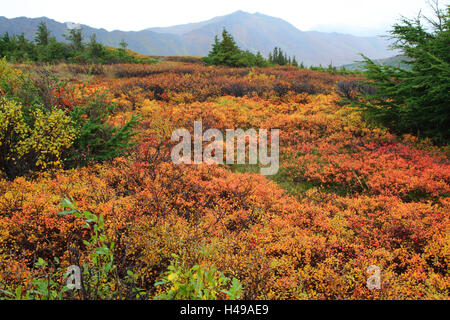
137,15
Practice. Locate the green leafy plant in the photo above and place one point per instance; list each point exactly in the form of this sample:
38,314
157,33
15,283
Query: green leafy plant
49,286
100,278
99,267
197,283
47,283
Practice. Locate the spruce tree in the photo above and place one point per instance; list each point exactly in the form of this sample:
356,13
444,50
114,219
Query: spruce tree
230,50
42,35
123,45
415,100
260,61
75,38
95,49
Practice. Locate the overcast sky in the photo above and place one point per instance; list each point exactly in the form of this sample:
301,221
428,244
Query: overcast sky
357,16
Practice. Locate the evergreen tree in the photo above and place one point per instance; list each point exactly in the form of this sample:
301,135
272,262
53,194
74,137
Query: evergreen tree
24,49
275,56
229,49
48,49
260,61
215,55
415,100
75,37
123,45
55,51
281,58
42,35
227,53
95,49
4,45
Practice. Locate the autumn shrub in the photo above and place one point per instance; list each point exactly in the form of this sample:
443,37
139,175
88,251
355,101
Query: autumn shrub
17,85
277,246
351,89
185,59
33,141
347,196
135,70
162,82
91,69
32,86
98,277
49,124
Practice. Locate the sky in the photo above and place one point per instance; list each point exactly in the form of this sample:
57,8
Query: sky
361,17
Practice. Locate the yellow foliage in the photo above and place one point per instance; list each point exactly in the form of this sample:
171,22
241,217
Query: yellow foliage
11,76
12,127
52,133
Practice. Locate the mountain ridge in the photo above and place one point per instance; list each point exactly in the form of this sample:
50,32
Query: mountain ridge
254,32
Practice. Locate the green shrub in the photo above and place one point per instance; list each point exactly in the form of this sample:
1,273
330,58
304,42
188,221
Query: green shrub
197,283
98,140
99,277
38,134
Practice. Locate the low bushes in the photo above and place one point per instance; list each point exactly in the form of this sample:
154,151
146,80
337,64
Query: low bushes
45,124
202,83
358,196
34,141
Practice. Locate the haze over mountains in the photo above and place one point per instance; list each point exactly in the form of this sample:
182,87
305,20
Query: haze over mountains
351,29
255,32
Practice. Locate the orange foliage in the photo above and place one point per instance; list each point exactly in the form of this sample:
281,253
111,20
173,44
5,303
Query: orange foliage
368,196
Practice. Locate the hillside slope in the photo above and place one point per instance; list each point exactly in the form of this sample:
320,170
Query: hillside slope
395,61
255,32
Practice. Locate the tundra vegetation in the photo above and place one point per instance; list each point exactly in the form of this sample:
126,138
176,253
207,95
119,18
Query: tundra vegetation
86,180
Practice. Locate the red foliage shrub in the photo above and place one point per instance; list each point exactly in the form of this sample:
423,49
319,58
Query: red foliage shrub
362,196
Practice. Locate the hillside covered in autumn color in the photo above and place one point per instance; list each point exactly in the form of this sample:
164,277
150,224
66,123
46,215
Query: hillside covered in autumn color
102,193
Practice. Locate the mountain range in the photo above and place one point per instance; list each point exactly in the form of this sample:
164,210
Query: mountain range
254,32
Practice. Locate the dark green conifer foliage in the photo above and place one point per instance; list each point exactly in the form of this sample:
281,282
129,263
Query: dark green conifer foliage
47,49
416,100
227,53
42,35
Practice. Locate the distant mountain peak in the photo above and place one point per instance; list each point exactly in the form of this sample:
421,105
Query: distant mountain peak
252,31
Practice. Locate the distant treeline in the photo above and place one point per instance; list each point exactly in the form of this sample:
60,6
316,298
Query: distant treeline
227,53
280,58
45,48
